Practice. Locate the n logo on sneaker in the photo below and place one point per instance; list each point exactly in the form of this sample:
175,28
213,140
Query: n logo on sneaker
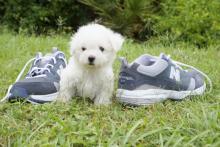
174,74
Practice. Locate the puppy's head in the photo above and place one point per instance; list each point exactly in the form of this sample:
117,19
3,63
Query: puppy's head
94,45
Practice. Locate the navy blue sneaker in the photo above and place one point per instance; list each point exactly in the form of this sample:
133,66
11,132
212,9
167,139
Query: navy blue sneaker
41,84
151,79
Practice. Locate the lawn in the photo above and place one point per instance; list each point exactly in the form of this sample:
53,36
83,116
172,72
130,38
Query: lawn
191,122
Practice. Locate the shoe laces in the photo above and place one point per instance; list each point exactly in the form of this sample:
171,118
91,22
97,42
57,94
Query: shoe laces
40,71
179,64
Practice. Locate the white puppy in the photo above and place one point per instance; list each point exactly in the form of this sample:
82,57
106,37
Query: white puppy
89,72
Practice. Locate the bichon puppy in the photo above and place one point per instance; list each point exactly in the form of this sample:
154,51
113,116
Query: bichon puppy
89,72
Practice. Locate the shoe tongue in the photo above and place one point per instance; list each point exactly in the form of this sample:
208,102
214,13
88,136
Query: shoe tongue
164,57
41,63
45,60
54,50
42,60
39,58
56,53
145,60
38,55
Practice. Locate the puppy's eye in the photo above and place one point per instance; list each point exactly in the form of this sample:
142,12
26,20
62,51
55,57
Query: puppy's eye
83,48
101,48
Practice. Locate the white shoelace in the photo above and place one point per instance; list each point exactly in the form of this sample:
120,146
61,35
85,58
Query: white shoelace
36,70
40,71
17,79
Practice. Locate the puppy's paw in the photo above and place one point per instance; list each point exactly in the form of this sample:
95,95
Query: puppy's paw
102,100
63,97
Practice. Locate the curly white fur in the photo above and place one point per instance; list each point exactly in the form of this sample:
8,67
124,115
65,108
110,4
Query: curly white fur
93,79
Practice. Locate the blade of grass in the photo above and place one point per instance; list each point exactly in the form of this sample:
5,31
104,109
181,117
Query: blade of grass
147,134
132,130
35,131
196,137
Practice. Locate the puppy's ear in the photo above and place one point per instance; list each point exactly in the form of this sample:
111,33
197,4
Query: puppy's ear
116,41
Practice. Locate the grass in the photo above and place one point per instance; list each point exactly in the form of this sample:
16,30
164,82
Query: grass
191,122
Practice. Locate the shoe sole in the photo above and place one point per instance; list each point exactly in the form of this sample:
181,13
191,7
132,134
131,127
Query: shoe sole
151,96
41,99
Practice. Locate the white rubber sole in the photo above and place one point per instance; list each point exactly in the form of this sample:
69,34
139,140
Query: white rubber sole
39,99
151,96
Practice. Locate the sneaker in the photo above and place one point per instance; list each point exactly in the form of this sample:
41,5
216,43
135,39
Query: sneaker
151,79
41,84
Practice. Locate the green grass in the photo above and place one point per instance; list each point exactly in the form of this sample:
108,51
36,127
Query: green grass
191,122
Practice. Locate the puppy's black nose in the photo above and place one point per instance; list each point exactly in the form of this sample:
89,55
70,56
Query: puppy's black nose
91,59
